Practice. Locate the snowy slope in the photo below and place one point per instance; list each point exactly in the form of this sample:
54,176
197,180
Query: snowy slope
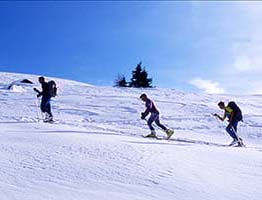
95,149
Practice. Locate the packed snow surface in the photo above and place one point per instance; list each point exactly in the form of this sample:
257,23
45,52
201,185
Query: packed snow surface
94,150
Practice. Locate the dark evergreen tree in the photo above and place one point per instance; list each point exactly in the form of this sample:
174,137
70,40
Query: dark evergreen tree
121,81
145,82
135,80
139,78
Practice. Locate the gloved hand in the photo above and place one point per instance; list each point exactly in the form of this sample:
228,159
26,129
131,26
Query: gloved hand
142,116
216,115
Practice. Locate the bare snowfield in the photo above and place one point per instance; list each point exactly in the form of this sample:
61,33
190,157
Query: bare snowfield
94,150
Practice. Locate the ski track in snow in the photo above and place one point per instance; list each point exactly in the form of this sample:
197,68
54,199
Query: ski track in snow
94,150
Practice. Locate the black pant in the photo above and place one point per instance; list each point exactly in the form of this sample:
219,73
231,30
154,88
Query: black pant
46,106
155,118
232,131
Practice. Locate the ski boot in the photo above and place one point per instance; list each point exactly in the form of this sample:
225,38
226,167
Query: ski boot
235,141
48,118
169,133
152,134
240,142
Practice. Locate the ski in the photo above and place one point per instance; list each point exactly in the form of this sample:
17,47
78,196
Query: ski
156,137
242,145
49,121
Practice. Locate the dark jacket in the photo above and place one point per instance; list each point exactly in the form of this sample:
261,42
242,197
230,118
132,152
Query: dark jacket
45,91
150,108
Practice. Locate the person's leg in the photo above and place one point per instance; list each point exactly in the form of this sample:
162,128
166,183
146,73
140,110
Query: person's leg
231,132
48,108
43,105
234,125
169,132
159,124
150,121
239,139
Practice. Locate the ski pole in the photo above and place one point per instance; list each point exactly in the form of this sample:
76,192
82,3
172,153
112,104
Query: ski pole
37,104
220,125
37,107
218,122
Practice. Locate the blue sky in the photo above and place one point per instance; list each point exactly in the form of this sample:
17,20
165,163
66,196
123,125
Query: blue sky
213,47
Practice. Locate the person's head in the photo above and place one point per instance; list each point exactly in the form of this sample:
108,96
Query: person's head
221,105
143,97
41,79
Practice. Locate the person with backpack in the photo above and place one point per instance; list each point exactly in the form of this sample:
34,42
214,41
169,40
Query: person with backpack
48,91
154,117
234,115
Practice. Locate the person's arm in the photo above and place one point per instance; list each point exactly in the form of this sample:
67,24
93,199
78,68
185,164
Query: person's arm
148,107
39,93
144,114
219,117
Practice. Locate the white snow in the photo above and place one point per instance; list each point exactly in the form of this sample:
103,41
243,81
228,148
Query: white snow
94,150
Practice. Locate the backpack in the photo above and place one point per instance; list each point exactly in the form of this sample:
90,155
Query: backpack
52,88
236,109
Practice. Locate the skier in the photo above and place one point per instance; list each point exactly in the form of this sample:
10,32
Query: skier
234,115
150,108
46,97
